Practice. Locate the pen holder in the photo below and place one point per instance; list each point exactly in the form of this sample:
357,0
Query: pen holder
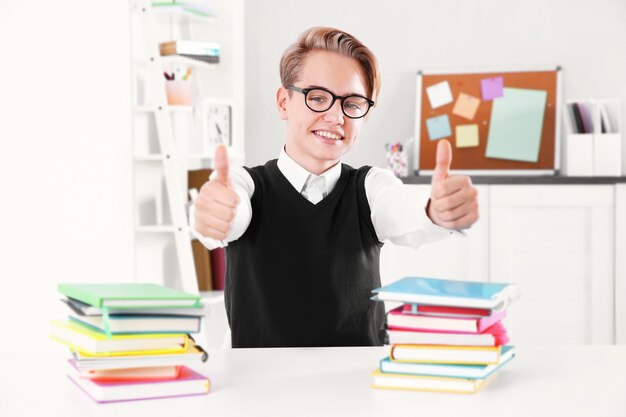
178,92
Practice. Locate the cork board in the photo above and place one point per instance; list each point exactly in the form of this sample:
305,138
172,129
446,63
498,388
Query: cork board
470,103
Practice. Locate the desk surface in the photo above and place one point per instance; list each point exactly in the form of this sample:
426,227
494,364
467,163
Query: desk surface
322,382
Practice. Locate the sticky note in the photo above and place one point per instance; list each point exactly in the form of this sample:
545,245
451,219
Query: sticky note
466,136
516,124
492,87
439,94
438,127
466,106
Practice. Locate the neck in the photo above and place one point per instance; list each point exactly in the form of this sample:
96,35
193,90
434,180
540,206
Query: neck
311,164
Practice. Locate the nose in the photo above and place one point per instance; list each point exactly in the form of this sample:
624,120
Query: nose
335,115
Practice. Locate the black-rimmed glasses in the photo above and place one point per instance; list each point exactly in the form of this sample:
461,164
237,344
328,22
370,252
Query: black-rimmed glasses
320,100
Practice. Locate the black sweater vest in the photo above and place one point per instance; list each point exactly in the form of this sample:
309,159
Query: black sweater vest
302,274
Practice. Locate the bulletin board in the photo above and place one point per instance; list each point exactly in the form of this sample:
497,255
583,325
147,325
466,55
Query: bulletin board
498,121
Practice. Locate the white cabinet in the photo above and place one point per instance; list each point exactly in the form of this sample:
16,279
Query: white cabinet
556,243
453,257
560,243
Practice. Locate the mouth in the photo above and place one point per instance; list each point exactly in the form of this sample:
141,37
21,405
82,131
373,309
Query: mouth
327,136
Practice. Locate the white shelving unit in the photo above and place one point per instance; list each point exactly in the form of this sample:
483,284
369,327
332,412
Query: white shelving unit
170,140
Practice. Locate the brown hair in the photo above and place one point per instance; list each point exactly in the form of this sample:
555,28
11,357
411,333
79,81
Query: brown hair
332,40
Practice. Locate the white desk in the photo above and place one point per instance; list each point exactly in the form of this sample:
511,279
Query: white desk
540,381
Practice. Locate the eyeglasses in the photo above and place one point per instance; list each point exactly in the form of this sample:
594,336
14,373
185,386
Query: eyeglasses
320,100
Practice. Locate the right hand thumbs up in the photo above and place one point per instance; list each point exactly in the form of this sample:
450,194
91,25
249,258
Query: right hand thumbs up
216,205
221,165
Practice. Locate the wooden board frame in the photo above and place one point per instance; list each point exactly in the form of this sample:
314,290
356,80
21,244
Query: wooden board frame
473,161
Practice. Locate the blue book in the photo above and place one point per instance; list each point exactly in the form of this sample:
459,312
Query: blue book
434,291
447,370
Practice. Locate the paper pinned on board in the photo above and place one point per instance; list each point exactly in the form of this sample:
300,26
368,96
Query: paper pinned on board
516,124
439,94
466,136
439,127
466,106
492,88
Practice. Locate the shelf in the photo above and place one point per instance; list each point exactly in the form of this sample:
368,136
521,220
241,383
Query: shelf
212,297
156,229
149,158
178,59
148,109
160,157
183,14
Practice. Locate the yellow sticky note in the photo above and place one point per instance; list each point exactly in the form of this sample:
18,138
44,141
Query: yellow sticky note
466,136
466,106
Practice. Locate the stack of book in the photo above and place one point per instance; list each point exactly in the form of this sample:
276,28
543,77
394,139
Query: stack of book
131,341
446,336
201,50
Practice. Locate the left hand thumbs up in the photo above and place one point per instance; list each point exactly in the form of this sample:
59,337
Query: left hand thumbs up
453,199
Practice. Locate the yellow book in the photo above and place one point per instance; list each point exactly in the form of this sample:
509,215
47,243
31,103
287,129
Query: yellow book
91,342
427,383
193,355
469,355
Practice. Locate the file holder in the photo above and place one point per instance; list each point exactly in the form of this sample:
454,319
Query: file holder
607,149
595,153
578,160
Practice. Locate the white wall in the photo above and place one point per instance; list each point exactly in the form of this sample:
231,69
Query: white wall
65,164
65,124
585,37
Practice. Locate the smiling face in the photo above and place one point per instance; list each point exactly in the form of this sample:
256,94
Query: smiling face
317,141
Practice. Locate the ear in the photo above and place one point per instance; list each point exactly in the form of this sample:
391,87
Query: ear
282,98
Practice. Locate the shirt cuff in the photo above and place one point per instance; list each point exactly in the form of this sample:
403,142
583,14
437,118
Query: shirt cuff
436,229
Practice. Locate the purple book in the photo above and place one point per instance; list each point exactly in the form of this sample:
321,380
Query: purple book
585,115
188,382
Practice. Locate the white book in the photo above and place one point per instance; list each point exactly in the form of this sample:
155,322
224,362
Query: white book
403,337
141,324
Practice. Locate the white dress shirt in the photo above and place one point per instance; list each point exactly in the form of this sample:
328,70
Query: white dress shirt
398,211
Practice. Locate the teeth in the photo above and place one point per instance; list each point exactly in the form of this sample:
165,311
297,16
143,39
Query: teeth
328,135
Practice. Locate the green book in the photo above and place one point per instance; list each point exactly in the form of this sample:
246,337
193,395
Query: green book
129,295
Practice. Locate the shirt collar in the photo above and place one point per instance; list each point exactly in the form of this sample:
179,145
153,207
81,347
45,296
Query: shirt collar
297,175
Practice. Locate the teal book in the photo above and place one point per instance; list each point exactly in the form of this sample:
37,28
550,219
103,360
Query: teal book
447,370
435,291
134,295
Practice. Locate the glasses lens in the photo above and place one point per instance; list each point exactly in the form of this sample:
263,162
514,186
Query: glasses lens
319,100
355,106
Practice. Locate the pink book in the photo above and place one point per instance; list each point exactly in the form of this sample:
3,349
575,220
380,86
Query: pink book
398,318
493,336
188,382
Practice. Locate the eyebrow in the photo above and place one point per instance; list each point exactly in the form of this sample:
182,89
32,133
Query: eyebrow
326,88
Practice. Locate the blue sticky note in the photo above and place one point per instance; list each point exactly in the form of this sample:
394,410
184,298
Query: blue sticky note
438,127
516,124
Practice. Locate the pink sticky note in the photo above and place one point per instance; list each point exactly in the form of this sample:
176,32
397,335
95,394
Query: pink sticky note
492,87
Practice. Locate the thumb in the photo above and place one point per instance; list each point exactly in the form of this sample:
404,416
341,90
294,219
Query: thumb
444,159
221,165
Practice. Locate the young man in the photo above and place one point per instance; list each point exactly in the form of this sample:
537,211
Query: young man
304,231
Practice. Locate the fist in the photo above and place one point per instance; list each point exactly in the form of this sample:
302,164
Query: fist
453,199
216,204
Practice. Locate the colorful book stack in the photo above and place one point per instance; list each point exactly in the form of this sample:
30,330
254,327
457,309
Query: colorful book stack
131,341
446,336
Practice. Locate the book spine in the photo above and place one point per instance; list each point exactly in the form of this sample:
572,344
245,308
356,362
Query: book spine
578,118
